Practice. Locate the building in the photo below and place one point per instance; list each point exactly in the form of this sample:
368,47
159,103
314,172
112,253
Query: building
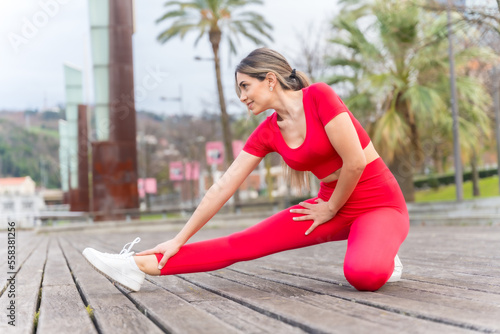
17,186
19,202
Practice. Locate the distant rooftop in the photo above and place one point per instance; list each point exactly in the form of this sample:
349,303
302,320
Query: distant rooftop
13,180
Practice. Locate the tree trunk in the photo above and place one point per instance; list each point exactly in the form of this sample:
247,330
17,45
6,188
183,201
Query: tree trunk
402,169
410,156
475,175
215,37
436,159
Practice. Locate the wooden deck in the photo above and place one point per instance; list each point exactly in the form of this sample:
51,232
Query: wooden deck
451,284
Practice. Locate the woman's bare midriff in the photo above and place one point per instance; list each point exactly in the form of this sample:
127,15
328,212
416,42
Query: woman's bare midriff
370,154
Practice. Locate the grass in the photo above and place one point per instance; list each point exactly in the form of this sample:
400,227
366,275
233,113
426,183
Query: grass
35,320
90,311
488,188
159,216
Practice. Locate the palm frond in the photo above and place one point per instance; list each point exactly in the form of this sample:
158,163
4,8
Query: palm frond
354,64
426,103
202,15
177,29
391,133
335,79
183,5
172,14
257,27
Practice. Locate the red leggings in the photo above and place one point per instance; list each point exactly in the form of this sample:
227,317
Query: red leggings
374,221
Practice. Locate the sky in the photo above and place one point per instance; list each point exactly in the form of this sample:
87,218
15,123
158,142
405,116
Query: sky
38,36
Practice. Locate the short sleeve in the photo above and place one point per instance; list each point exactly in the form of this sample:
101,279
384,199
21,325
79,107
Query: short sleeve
260,142
328,103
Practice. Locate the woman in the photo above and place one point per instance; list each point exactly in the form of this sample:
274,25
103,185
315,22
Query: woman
359,199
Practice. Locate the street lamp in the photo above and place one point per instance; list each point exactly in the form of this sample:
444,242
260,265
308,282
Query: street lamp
177,99
496,100
454,111
198,58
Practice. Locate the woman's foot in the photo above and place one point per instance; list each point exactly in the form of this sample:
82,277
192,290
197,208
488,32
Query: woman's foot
120,268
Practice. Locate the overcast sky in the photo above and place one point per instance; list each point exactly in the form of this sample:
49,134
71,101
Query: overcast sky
31,71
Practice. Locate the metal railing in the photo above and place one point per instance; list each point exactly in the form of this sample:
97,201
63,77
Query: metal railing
52,217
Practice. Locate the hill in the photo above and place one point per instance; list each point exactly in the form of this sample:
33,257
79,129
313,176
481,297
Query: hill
23,152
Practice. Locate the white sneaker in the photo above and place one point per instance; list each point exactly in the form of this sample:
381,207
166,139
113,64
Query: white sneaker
398,270
120,268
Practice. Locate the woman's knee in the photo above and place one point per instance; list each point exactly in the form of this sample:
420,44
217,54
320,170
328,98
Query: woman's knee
366,277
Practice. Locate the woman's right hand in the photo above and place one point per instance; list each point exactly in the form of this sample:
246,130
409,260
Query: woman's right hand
168,249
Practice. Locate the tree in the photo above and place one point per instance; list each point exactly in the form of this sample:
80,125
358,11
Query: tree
394,56
486,17
215,18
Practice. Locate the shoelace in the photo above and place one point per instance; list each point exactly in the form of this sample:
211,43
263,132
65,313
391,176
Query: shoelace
127,251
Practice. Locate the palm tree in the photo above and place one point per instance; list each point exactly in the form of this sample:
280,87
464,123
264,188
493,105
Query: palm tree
394,56
216,18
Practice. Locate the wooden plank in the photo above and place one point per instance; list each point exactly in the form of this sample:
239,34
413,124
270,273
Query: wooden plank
62,310
401,303
329,257
113,311
333,276
462,257
27,288
287,308
323,274
383,317
459,268
170,311
175,314
26,241
236,315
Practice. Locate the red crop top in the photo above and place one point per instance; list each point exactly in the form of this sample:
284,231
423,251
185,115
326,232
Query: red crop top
316,154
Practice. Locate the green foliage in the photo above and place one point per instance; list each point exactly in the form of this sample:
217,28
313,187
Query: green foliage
393,57
213,17
45,132
22,152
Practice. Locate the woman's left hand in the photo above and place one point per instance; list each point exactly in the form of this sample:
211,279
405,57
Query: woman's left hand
319,213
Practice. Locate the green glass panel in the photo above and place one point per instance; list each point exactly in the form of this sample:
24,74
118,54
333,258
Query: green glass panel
101,84
99,12
102,122
100,46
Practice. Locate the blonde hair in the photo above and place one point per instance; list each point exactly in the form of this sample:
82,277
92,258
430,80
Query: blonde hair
257,65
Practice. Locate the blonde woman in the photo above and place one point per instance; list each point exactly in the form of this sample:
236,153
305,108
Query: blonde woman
311,128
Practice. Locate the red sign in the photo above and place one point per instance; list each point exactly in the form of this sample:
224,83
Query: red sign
180,171
146,186
215,152
176,171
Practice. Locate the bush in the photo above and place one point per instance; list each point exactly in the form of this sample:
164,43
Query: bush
434,181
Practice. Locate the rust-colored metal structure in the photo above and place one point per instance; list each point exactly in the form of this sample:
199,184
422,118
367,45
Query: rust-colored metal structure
114,165
114,179
79,198
121,73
